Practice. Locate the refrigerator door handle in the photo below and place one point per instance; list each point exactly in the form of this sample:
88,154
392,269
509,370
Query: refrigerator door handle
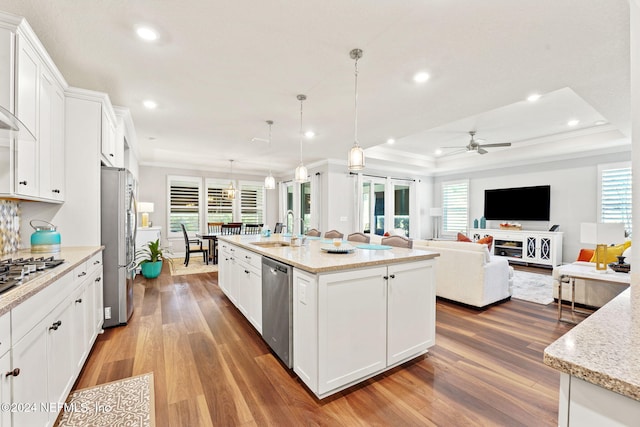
129,266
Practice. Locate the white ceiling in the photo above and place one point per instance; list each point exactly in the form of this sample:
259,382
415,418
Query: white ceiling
221,69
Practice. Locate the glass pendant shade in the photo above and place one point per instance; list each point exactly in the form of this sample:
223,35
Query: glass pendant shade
300,175
270,182
230,192
356,158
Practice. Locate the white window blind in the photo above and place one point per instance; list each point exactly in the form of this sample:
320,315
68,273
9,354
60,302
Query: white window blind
219,209
455,206
615,196
252,203
184,203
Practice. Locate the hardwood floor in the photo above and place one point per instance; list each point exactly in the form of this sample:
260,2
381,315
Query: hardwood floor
211,368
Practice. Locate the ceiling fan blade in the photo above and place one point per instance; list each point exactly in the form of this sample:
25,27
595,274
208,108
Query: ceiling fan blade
457,147
452,153
482,150
501,144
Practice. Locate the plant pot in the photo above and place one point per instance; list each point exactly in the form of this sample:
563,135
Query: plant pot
151,270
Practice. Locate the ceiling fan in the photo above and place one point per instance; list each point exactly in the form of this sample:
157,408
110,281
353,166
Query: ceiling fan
475,146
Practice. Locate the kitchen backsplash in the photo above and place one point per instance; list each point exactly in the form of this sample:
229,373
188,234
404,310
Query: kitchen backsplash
9,226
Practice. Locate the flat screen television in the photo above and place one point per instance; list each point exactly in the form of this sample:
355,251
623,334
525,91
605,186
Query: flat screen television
522,203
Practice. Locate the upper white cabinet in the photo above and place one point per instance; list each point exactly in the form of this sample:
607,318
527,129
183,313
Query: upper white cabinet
108,147
31,87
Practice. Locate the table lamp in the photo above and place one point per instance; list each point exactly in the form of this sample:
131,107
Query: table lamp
602,235
145,208
435,213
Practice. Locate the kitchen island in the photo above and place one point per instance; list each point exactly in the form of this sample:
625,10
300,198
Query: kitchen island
599,361
354,315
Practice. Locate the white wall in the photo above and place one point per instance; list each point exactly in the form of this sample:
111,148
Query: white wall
574,193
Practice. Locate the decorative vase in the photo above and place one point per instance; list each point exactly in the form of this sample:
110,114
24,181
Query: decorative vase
475,223
483,222
151,270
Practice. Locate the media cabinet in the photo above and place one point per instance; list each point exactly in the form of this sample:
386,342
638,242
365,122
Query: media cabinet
525,246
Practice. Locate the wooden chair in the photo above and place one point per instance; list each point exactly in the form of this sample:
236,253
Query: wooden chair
313,233
398,242
333,234
231,228
214,227
252,228
190,249
358,237
278,228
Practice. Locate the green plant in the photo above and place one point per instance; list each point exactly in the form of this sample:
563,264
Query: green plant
152,252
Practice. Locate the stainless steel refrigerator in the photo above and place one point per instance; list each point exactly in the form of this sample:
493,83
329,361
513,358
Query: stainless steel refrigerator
119,226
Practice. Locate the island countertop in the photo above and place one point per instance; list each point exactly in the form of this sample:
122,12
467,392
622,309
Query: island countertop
73,257
604,349
312,259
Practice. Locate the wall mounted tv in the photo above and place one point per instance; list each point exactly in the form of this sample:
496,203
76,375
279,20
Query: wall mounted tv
522,203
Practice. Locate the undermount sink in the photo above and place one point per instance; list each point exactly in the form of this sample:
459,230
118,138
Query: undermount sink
271,244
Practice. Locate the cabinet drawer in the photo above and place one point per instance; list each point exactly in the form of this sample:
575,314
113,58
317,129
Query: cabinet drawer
94,262
25,316
251,259
5,333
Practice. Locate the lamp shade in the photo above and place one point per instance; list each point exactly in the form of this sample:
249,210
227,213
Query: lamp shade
435,212
145,207
601,233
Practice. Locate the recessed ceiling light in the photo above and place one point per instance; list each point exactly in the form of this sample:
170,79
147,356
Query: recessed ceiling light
438,151
600,122
309,134
533,97
150,104
146,33
573,122
390,141
421,77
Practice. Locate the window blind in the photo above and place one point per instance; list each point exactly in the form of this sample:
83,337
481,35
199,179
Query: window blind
184,201
455,206
615,196
219,209
252,204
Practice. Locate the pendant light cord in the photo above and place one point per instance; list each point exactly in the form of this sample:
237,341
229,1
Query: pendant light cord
356,106
270,122
301,100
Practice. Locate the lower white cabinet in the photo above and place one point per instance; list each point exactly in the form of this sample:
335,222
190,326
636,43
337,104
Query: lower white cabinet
51,336
536,247
240,278
351,325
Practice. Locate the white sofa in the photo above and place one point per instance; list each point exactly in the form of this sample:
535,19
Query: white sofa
467,273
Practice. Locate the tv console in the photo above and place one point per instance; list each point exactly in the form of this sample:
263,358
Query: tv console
525,246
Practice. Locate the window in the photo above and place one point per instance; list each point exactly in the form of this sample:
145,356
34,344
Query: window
385,204
455,206
219,209
184,203
305,205
252,203
615,194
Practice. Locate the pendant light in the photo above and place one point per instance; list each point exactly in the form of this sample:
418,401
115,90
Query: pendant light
300,175
229,193
356,155
269,181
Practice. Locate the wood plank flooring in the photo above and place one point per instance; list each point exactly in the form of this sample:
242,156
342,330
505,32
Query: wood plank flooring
211,368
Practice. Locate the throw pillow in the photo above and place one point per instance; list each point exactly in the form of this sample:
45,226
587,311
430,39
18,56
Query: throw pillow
585,255
462,238
486,241
613,252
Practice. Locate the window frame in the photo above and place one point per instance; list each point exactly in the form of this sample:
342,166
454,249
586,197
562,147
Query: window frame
263,204
187,179
444,231
602,168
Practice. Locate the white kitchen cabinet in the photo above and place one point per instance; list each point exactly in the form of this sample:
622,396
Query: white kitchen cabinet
51,139
108,143
5,387
98,307
224,267
81,324
59,353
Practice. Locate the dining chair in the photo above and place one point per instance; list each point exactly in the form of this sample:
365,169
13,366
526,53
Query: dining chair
277,228
333,234
231,228
313,233
358,237
214,227
189,249
252,228
397,241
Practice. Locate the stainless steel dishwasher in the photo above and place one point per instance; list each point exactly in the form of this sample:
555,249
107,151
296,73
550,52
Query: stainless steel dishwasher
277,312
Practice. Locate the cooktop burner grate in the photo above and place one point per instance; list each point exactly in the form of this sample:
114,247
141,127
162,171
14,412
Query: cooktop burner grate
16,271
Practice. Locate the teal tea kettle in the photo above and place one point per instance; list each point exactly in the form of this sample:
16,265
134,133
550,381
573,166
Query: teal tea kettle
45,238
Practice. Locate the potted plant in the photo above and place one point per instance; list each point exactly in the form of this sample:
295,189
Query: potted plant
149,259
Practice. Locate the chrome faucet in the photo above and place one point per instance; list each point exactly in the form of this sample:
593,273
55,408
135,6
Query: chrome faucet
293,218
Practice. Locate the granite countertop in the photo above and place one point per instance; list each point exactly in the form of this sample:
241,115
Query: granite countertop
311,258
604,349
73,257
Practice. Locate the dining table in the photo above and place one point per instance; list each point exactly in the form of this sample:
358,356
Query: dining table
212,238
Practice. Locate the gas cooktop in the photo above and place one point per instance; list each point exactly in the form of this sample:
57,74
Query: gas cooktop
16,271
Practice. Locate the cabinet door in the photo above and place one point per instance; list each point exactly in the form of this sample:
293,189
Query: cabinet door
26,168
243,280
80,325
28,71
44,137
352,326
30,357
255,299
98,312
5,388
411,310
530,249
57,144
108,139
224,265
60,352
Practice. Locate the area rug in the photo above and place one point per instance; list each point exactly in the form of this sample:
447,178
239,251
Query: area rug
532,287
196,266
127,402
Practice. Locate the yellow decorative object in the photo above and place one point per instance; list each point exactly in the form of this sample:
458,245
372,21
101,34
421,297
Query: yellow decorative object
612,252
